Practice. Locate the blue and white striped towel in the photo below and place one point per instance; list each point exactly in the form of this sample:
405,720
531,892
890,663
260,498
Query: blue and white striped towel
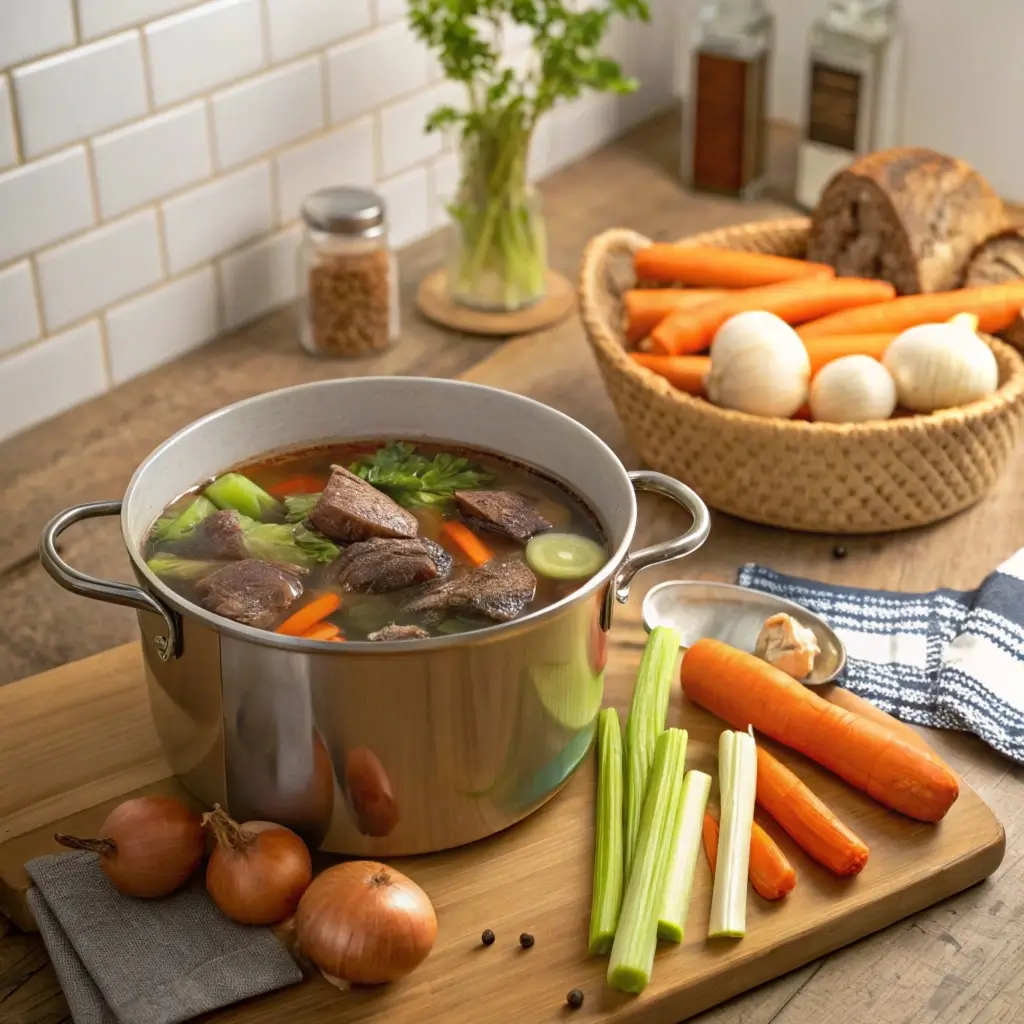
952,659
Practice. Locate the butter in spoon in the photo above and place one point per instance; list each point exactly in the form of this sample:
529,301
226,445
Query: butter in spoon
735,615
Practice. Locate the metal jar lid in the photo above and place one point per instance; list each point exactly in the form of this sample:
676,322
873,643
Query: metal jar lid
345,211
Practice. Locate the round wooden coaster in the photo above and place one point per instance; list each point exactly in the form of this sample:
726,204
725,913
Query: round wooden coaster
433,302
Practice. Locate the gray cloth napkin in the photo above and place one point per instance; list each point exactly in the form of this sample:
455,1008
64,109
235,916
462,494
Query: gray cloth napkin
133,961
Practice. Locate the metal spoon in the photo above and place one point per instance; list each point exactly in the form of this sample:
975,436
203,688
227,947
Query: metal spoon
735,615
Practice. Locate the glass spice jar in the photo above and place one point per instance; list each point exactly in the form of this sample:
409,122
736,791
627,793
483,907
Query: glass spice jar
348,277
724,120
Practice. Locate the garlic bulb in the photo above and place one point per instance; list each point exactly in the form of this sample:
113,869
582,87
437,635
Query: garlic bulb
759,365
938,366
853,389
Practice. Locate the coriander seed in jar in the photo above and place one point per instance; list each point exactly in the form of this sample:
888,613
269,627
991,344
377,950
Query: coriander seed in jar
348,276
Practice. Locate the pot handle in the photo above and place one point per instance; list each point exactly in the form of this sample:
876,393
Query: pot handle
658,483
168,645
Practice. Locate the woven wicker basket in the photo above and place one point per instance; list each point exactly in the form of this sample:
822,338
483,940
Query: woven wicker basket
816,477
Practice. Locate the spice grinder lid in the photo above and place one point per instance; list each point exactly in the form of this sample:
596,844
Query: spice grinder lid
348,211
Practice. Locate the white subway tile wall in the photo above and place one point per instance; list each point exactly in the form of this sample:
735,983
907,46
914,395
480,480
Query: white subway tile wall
8,145
19,322
152,158
80,92
154,155
87,274
162,324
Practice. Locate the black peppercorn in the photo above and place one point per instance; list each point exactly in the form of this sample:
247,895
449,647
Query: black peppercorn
839,551
575,998
526,940
487,938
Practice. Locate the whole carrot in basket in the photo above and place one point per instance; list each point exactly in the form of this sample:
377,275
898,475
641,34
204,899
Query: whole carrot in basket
691,330
825,350
808,822
770,872
996,307
706,267
683,372
647,307
745,691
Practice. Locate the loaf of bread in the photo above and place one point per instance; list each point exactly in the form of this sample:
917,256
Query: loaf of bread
908,216
998,259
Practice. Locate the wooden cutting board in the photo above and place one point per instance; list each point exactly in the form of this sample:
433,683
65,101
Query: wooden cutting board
76,740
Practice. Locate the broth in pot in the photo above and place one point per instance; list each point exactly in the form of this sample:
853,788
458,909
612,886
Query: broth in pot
376,540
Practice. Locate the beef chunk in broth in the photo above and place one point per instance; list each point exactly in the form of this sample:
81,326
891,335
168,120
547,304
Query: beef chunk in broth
382,564
221,537
351,509
496,590
395,632
503,511
252,592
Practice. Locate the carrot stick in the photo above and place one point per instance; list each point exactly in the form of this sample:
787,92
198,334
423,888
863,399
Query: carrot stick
297,485
322,631
705,267
310,614
824,350
810,824
745,691
771,874
996,307
647,307
683,372
691,330
467,542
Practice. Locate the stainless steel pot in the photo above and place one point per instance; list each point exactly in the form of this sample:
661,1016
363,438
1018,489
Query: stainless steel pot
379,749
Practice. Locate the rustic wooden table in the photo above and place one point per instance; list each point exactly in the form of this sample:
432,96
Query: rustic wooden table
962,961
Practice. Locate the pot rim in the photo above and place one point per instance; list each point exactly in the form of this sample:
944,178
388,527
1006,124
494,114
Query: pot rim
486,634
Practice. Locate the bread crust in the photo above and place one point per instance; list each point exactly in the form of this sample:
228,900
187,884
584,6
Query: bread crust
910,216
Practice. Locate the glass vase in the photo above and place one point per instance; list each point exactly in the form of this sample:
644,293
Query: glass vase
498,249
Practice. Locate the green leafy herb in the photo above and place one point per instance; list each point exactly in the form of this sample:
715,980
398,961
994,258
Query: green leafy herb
414,480
503,258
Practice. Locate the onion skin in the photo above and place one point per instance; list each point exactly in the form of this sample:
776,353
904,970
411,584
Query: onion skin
149,846
258,871
370,791
365,923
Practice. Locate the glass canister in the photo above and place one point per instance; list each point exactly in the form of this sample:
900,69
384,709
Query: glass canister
348,276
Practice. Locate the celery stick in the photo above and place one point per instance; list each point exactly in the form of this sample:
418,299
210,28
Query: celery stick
636,938
682,861
646,720
233,490
608,880
737,782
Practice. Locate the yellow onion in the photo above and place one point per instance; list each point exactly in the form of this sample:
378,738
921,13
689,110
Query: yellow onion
258,870
365,923
148,847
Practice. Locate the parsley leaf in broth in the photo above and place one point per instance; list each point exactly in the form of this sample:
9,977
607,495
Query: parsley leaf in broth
414,480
